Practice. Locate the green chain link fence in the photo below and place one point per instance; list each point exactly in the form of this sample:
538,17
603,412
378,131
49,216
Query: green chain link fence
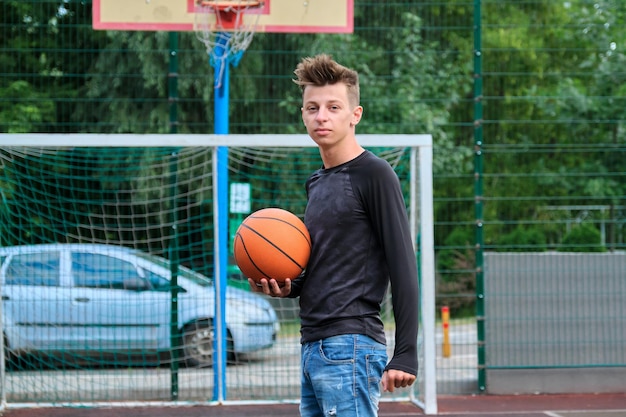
526,102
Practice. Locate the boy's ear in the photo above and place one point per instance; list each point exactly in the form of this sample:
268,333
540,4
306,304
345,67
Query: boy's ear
357,113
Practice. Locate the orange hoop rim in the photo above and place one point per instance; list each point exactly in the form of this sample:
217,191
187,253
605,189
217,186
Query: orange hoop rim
225,5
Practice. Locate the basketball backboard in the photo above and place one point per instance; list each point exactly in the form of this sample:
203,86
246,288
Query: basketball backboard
288,16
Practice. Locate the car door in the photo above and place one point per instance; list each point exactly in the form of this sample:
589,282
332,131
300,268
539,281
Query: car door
35,306
116,309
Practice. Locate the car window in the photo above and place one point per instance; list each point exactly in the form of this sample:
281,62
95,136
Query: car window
34,269
189,274
94,270
157,282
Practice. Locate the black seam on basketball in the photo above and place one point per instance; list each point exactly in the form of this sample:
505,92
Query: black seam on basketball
308,239
243,244
276,247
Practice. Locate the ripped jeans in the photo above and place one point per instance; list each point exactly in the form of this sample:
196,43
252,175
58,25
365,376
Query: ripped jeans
341,376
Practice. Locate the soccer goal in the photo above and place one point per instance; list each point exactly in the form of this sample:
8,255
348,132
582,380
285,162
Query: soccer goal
105,239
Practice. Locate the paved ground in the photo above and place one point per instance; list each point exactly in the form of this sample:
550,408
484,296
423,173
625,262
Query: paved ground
587,405
574,405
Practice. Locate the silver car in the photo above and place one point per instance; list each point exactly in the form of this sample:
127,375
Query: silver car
95,300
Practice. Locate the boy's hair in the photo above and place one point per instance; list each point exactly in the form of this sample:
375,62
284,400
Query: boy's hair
322,70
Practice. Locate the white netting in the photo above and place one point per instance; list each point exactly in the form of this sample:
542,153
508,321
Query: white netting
149,193
226,30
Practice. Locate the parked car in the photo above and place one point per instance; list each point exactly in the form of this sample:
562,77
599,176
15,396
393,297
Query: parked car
92,299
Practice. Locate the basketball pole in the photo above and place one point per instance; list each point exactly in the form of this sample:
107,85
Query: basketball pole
220,204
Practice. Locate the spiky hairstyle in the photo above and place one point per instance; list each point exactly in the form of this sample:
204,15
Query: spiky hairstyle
321,70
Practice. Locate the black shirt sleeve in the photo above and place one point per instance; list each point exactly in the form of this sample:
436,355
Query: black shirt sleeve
385,205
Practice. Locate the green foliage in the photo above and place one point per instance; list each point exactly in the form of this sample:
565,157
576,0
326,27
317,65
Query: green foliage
523,239
455,279
26,110
553,103
458,242
582,238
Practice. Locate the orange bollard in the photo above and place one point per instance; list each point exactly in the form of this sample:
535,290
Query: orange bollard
445,320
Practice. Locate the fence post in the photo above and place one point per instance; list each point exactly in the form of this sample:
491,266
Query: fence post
478,194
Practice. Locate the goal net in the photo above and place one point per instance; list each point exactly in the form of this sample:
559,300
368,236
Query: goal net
117,274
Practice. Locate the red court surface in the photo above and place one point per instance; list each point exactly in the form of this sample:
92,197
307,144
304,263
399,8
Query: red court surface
571,405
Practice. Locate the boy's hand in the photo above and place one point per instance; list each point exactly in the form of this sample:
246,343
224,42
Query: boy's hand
271,287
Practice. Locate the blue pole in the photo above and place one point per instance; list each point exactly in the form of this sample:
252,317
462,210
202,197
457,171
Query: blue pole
221,86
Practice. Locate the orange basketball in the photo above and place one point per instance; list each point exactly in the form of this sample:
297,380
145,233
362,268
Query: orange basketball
272,243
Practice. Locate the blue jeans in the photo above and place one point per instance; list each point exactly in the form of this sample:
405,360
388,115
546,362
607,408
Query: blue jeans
341,376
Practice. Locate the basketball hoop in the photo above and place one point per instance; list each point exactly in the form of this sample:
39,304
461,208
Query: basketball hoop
221,27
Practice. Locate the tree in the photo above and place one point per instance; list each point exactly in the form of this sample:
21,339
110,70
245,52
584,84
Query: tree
40,76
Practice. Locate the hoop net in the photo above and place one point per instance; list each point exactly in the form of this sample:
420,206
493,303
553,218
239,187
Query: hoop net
221,27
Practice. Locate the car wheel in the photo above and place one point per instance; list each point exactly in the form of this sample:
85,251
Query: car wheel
198,345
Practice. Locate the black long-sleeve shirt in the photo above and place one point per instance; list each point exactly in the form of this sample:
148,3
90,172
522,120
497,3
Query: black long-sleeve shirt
361,241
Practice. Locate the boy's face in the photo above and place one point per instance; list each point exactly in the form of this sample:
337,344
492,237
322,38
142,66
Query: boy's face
328,114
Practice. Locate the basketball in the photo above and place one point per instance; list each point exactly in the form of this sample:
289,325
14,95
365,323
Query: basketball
272,243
